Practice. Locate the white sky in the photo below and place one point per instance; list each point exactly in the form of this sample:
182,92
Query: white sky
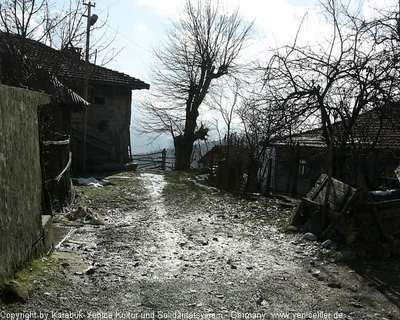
140,23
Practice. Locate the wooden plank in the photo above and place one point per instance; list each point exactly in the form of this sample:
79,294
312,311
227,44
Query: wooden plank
56,143
312,211
323,178
297,217
327,232
339,193
388,214
381,225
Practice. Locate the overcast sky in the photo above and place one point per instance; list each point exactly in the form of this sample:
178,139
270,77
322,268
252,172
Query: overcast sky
140,24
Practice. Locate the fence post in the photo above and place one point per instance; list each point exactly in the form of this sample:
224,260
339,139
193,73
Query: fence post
163,159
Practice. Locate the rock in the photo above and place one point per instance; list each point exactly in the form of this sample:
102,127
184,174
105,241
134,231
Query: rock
15,292
200,240
315,273
231,263
326,244
265,303
199,220
292,229
356,304
334,284
259,300
345,256
90,247
310,236
249,268
215,239
85,215
90,271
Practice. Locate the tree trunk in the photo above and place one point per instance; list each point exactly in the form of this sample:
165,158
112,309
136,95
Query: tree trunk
184,143
183,152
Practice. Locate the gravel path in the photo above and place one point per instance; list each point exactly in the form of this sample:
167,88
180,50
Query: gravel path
170,249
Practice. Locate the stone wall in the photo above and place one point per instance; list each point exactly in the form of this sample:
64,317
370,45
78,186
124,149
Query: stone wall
20,177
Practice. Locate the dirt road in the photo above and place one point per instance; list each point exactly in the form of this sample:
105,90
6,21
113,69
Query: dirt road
170,249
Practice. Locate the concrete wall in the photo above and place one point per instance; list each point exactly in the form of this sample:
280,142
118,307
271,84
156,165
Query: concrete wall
20,176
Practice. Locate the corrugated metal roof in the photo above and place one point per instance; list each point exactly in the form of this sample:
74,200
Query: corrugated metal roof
66,95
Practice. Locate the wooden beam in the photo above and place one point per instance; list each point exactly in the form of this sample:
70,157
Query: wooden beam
56,143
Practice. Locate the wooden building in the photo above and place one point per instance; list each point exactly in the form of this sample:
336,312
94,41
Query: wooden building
373,147
107,120
228,166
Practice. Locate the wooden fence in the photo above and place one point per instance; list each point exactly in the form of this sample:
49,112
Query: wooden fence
155,160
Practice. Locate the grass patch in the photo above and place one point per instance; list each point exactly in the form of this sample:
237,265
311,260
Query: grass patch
178,183
283,224
34,272
121,192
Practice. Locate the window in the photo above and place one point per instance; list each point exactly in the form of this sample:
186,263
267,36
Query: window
302,167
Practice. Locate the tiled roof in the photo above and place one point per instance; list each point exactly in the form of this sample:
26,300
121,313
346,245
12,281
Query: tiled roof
379,125
311,138
65,67
221,153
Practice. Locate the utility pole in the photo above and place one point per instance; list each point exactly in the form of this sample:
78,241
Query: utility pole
91,20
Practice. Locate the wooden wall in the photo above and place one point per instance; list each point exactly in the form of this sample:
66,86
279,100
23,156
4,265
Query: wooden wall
108,123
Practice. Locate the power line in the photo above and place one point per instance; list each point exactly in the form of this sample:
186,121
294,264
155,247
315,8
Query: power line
110,6
125,36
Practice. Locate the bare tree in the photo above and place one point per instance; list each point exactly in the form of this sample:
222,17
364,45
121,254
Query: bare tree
70,31
334,83
225,101
59,28
26,19
201,47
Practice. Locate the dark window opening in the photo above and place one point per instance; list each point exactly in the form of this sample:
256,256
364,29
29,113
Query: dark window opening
99,100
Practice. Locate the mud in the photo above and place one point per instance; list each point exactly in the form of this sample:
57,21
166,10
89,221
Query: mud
170,249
